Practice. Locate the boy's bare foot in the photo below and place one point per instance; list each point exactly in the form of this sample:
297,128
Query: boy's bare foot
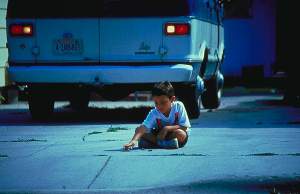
144,144
168,144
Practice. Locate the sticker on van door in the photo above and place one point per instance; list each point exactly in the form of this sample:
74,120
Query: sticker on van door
67,45
144,48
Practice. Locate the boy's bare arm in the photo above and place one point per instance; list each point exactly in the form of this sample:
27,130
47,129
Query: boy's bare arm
139,132
171,128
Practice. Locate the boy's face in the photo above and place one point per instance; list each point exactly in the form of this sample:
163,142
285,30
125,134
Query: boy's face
163,103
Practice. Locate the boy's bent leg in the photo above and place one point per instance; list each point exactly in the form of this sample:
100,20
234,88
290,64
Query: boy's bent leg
150,137
181,136
148,140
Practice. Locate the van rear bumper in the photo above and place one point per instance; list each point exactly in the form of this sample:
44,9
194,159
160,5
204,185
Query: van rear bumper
101,74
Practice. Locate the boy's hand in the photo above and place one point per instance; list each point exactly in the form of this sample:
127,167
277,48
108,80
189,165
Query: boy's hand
129,145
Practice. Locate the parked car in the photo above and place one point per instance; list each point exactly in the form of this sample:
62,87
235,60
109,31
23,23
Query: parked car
115,47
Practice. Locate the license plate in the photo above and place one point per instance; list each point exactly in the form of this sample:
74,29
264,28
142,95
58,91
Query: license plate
68,46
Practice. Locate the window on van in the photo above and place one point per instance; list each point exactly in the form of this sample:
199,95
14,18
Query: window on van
96,8
144,8
53,8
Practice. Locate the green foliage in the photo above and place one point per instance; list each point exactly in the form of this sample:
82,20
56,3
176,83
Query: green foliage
115,129
2,99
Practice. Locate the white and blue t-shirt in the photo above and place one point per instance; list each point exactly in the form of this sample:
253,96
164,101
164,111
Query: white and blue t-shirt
177,116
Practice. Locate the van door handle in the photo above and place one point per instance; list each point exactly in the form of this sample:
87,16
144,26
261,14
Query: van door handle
35,50
163,51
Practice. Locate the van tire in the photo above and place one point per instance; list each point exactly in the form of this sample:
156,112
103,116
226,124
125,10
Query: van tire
211,97
115,93
191,100
80,100
291,98
113,96
41,105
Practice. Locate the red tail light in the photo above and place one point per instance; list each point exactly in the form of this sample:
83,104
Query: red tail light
177,29
21,30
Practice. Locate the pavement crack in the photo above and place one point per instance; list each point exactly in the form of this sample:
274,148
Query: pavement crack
23,140
99,172
261,154
100,155
42,149
295,154
272,154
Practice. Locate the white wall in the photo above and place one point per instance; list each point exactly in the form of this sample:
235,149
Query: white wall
3,49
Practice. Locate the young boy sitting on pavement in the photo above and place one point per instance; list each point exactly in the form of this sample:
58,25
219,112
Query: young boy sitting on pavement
166,125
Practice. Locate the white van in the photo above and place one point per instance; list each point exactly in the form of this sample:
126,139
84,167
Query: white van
115,47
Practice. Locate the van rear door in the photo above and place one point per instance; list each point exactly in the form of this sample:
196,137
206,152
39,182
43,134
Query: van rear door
64,31
67,31
67,40
130,39
133,30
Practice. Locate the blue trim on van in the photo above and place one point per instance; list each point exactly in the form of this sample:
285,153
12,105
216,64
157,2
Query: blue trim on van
82,63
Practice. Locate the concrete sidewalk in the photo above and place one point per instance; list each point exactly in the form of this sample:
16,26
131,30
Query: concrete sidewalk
66,162
88,158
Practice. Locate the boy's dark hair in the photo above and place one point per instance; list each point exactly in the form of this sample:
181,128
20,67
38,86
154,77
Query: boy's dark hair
163,88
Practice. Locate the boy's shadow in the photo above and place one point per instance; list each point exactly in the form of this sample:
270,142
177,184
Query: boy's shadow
123,150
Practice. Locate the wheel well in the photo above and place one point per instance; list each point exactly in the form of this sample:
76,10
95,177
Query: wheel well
204,63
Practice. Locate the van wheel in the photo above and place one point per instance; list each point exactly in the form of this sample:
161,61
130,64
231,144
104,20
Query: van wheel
291,98
191,100
113,96
115,93
211,97
41,105
80,100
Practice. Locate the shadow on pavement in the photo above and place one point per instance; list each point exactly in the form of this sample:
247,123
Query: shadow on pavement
250,113
271,185
65,116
